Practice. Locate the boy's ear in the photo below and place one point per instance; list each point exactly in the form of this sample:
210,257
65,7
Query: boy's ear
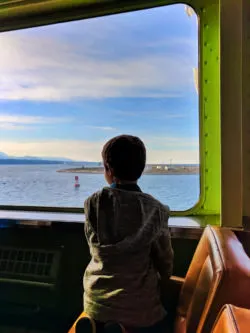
106,166
109,170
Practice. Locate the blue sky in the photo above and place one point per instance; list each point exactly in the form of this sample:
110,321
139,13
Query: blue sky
67,88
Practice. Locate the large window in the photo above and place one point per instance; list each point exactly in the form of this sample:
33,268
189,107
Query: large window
67,88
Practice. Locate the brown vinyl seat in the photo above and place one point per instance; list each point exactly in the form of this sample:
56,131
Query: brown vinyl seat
219,274
232,319
73,327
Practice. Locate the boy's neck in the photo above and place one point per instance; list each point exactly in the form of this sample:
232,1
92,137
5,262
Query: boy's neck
125,182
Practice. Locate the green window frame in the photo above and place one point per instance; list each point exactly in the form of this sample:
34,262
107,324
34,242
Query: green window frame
28,13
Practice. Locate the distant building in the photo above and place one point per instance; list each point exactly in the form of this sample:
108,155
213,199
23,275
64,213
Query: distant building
159,167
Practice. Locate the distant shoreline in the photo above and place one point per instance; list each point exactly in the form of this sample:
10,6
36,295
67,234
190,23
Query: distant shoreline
182,170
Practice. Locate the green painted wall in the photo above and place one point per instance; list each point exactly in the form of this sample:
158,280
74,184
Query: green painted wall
209,109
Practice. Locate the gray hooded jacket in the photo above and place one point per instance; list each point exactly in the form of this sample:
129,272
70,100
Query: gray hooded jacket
130,247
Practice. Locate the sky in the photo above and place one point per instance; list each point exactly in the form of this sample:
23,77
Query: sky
65,89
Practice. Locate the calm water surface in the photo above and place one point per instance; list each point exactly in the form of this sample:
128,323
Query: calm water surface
41,185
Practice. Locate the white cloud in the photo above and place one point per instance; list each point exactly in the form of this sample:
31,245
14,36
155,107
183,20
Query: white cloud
169,143
173,115
187,43
21,122
152,114
77,150
21,119
103,128
189,156
48,69
12,127
91,151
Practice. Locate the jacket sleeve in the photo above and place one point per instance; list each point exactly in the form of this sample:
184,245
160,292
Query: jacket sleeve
162,251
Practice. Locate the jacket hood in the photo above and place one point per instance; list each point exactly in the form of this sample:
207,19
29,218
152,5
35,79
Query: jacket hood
123,221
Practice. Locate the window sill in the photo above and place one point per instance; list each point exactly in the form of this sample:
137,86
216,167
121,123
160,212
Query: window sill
44,218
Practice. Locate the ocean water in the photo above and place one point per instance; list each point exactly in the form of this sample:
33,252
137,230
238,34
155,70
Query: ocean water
41,185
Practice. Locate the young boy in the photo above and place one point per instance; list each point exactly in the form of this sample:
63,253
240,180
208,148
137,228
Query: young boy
129,241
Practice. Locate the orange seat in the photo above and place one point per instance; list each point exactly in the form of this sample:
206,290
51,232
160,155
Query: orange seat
232,320
219,274
82,315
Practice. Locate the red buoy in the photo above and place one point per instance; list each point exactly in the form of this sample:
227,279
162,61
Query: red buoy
77,181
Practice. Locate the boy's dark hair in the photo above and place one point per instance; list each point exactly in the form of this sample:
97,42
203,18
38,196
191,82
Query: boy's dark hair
126,155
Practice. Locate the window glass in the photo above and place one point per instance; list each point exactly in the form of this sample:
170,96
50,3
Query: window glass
67,88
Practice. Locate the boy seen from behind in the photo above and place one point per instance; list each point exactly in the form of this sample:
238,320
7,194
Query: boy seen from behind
128,236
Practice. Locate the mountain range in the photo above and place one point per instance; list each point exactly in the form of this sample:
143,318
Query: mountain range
6,159
4,156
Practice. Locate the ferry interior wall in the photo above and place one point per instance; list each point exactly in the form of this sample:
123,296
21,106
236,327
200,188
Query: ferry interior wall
43,256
